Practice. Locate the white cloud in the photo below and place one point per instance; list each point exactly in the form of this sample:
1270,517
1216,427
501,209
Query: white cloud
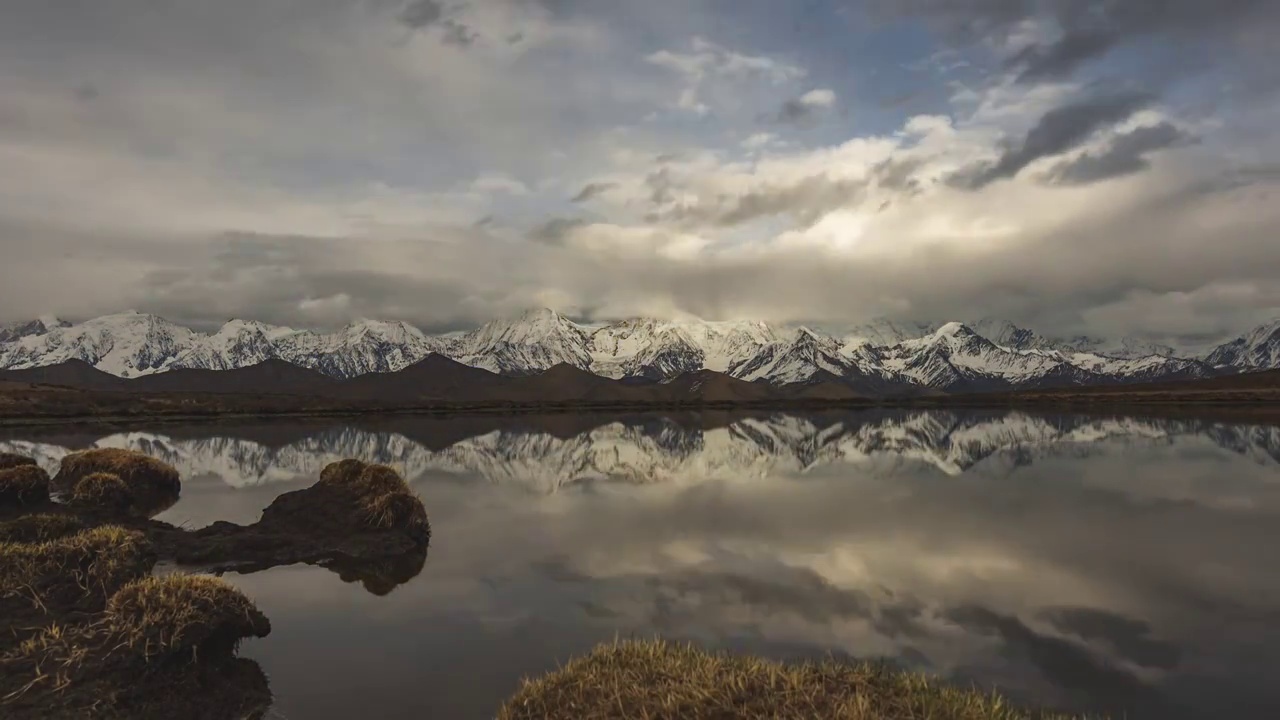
381,148
499,183
819,98
712,70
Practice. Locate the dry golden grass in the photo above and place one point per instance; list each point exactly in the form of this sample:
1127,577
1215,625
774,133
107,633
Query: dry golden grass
342,472
39,528
144,475
24,485
78,570
385,499
394,510
103,490
657,680
12,460
149,626
179,614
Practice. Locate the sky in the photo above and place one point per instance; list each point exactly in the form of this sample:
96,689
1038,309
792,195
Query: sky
1100,166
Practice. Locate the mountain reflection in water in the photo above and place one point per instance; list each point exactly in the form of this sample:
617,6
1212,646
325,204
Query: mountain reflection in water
1115,564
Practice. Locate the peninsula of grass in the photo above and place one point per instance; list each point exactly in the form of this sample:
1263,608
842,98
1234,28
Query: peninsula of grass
71,572
659,680
85,631
161,647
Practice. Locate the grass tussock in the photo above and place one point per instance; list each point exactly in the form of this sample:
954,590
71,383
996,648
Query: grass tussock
24,485
658,680
394,510
143,474
103,490
73,572
385,500
13,460
180,614
39,527
141,652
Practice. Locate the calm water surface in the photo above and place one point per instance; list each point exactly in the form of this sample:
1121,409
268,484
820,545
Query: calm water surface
1112,564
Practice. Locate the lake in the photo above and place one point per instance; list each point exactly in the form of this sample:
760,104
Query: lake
1113,564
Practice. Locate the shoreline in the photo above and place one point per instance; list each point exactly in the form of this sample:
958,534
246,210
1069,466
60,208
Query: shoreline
1216,406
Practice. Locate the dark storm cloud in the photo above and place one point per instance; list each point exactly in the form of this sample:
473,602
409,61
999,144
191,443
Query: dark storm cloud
1057,131
292,281
1124,155
1128,636
422,13
1086,29
591,190
556,231
458,34
1066,664
898,174
806,201
1092,29
796,111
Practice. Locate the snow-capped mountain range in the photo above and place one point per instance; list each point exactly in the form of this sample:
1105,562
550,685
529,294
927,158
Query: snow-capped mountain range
662,450
985,354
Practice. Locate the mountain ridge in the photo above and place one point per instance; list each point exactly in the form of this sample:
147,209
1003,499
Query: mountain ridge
874,358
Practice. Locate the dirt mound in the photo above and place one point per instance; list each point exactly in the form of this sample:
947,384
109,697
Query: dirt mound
24,485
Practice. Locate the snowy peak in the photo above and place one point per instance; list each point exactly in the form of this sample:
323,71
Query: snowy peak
883,333
125,344
1258,349
877,356
27,328
535,341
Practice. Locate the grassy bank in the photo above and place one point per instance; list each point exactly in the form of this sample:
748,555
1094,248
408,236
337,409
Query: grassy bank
86,631
659,680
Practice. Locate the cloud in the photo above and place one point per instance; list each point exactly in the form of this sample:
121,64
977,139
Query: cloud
806,106
381,152
806,200
422,13
1057,131
1057,38
458,34
1125,154
713,75
556,230
499,183
591,190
